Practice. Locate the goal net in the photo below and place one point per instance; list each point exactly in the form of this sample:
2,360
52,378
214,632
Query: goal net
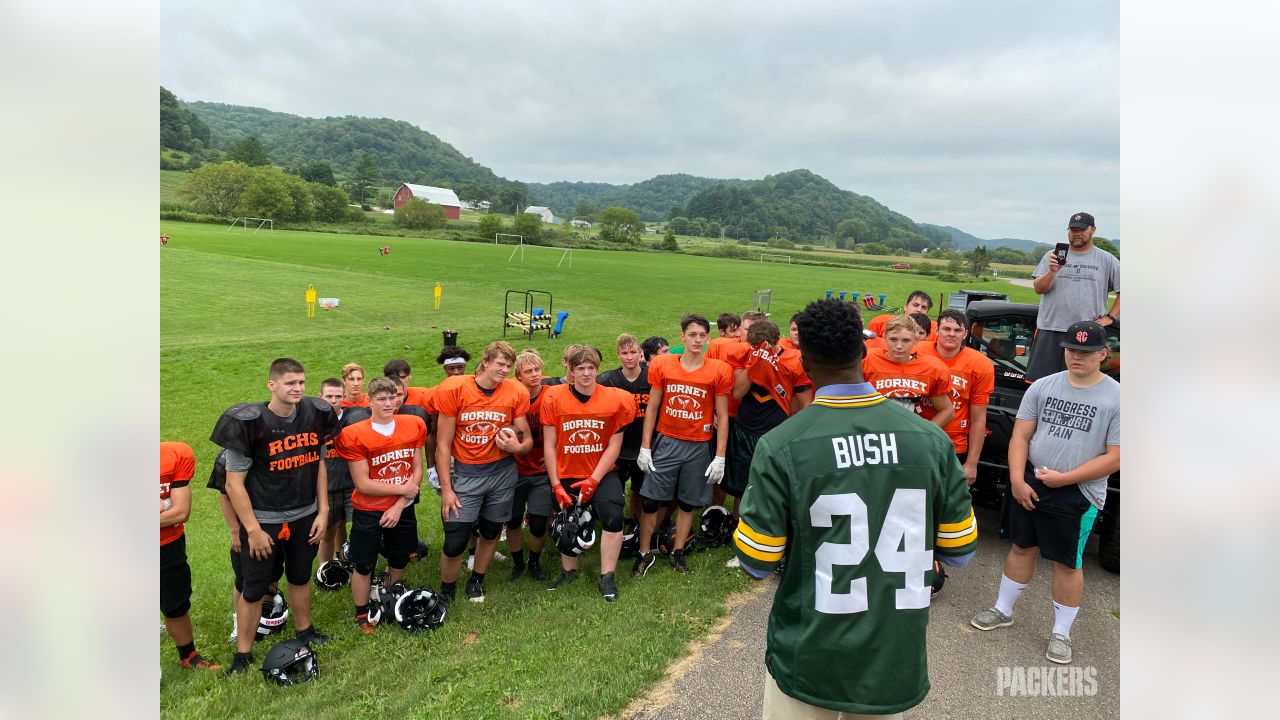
507,239
767,257
257,223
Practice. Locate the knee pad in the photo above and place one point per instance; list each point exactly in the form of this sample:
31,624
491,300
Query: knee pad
515,522
537,526
687,507
397,561
366,568
649,505
299,576
179,610
610,516
489,529
456,537
253,593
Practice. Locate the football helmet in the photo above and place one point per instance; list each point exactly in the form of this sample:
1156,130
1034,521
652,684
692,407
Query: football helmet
289,662
630,538
665,540
716,527
420,609
343,551
422,551
382,600
275,613
333,574
573,530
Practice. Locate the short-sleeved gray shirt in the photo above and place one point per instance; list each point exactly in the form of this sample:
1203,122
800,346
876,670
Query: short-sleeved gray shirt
1073,426
1079,290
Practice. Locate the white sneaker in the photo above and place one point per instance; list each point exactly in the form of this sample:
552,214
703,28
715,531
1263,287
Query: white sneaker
733,562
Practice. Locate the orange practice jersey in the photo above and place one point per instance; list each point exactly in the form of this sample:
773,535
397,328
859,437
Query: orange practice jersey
734,352
688,398
534,462
583,429
785,343
878,322
479,416
177,467
779,374
390,457
363,401
420,396
973,377
911,381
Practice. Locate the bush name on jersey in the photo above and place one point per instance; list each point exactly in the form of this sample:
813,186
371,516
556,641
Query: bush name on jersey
293,442
866,449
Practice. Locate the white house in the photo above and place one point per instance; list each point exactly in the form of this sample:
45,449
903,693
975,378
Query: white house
542,212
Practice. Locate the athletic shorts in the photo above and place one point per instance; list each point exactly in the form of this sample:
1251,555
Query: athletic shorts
340,507
1046,355
680,470
1059,526
629,470
608,500
368,538
486,491
533,492
737,467
175,578
294,552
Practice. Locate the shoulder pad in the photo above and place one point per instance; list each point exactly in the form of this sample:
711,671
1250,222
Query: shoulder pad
354,414
244,411
218,476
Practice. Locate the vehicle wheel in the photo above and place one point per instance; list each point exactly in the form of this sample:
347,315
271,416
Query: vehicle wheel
1109,543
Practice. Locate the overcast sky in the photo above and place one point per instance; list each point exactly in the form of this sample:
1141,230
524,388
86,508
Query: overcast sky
998,117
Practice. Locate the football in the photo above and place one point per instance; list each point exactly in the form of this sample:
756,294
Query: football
514,434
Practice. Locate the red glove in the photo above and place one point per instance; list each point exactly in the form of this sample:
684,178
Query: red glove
562,496
586,488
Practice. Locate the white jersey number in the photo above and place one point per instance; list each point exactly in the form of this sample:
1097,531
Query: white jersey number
899,549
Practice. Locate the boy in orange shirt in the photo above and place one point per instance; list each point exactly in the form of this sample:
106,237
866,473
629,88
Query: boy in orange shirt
352,382
972,380
177,467
582,426
384,454
911,380
533,491
688,402
474,449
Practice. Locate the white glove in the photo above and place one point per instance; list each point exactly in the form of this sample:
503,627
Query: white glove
645,460
433,478
715,471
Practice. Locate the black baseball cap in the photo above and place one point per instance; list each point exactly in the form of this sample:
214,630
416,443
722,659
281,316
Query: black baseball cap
1080,220
1085,335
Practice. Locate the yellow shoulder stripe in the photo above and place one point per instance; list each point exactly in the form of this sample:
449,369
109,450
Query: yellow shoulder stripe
759,537
958,526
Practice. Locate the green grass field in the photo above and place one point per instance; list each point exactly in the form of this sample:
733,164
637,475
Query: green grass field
233,301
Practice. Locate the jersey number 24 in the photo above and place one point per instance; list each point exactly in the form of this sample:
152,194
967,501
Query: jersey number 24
904,527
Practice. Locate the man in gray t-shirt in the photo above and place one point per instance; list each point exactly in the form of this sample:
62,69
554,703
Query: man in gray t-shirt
1076,290
1068,430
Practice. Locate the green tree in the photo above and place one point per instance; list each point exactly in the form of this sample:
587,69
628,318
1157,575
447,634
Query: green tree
266,196
512,198
180,129
956,266
711,229
475,193
669,242
318,172
584,210
248,151
385,199
853,229
328,203
680,225
366,175
978,260
418,214
299,194
489,226
1107,245
216,189
840,242
876,248
620,225
528,225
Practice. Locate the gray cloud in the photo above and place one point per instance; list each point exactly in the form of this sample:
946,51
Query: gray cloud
999,117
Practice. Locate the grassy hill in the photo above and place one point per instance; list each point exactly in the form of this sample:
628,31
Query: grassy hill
650,198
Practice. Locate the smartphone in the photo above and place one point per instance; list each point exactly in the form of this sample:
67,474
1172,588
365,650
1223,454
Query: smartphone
1060,252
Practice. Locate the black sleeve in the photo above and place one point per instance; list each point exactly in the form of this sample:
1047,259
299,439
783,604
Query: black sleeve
218,476
239,428
327,419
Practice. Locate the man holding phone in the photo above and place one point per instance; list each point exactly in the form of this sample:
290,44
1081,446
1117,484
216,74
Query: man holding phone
1074,279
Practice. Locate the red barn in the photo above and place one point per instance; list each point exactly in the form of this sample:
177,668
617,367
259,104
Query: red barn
444,197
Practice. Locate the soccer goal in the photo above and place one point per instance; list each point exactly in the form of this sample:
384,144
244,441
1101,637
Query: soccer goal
775,258
507,239
258,224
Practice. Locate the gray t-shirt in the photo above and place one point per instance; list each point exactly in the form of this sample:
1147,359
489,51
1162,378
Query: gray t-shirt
1079,290
1073,426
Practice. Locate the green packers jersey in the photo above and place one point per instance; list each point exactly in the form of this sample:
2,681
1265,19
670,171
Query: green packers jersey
859,493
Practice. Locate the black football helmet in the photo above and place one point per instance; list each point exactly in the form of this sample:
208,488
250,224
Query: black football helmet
289,662
275,613
421,552
343,552
666,540
630,538
382,600
573,530
716,527
333,574
420,609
